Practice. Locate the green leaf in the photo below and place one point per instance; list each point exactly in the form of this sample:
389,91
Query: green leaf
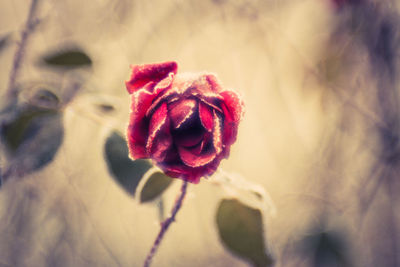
127,172
4,41
106,108
32,138
16,132
155,186
241,231
325,248
69,58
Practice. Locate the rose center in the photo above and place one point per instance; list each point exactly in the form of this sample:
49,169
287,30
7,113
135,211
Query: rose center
190,134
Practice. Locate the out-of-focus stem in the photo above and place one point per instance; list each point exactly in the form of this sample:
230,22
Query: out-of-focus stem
165,225
29,26
12,92
392,223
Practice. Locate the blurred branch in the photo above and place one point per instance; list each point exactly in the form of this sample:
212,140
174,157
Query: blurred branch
70,92
392,222
344,97
30,25
165,225
12,92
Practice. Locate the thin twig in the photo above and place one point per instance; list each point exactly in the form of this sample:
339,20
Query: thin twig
165,225
12,91
392,222
30,24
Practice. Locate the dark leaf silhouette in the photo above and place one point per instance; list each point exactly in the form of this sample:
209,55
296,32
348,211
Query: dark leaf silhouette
4,41
127,172
106,108
32,138
155,186
241,231
71,58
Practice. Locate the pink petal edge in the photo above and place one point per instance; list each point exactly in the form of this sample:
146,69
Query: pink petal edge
182,110
143,74
138,129
206,116
159,140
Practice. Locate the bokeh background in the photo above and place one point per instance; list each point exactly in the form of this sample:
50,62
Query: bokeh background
321,131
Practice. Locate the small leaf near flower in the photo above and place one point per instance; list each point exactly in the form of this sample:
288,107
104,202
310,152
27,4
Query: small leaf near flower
4,41
71,58
241,231
125,171
155,186
106,108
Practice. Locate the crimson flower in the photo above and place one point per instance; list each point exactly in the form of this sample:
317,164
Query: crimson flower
185,122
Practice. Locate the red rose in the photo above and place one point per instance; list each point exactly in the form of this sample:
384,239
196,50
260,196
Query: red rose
185,123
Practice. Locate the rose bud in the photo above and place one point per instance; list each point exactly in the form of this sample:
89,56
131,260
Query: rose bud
185,123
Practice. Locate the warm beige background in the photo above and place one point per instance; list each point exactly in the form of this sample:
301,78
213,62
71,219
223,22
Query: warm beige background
292,140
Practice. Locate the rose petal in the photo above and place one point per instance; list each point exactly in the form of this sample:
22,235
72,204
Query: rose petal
230,128
138,124
212,103
217,133
190,174
214,82
206,88
188,85
180,85
159,140
202,146
163,97
189,135
233,109
193,160
196,150
206,116
143,74
183,172
234,105
181,111
162,90
206,84
161,145
164,83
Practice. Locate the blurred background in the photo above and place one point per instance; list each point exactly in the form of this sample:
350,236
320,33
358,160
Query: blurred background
321,133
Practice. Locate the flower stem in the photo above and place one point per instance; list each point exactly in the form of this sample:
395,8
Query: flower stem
30,24
165,225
